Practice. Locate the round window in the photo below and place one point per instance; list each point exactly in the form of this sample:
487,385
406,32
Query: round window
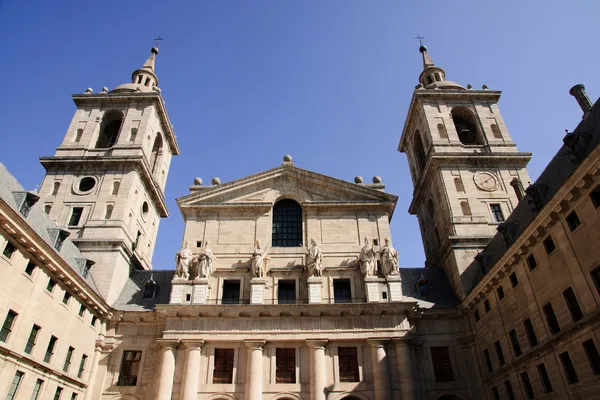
86,184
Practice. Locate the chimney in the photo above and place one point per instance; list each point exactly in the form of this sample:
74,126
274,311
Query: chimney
578,91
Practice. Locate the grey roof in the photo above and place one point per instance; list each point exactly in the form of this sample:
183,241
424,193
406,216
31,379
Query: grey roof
131,296
41,223
551,179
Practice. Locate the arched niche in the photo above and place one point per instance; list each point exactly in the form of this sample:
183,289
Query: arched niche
109,129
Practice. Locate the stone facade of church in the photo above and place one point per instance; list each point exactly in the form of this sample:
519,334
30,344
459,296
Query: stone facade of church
287,284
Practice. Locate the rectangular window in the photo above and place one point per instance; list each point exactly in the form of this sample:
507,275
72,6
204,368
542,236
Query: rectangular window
30,268
75,216
51,284
348,364
50,349
544,378
495,393
94,319
342,293
527,385
130,367
551,319
514,281
7,325
28,202
68,358
531,262
32,339
509,390
285,359
591,352
74,396
36,389
81,310
223,371
486,305
549,245
9,250
476,315
442,367
531,337
497,212
66,298
58,393
82,366
60,239
568,367
514,340
286,292
14,385
499,353
596,278
500,292
595,196
573,304
488,361
572,221
231,292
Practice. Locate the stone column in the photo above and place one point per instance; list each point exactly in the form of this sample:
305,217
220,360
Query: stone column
381,374
191,372
406,379
166,375
255,369
318,373
99,369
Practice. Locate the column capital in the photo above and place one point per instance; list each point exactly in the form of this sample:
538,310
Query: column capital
378,342
168,343
402,342
317,343
192,344
255,343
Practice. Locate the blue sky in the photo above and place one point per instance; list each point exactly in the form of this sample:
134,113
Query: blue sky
329,82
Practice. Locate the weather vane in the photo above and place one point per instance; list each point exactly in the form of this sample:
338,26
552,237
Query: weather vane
159,38
420,39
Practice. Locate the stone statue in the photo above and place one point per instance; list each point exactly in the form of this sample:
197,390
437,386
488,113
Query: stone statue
260,259
389,259
205,261
183,259
366,259
314,262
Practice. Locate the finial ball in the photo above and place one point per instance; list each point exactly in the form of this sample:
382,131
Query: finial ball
154,50
198,181
376,179
423,48
287,158
216,181
358,179
89,90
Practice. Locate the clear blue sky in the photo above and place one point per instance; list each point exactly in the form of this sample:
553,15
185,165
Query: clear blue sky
327,81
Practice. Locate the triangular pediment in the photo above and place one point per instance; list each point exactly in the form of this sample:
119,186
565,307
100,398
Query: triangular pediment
286,181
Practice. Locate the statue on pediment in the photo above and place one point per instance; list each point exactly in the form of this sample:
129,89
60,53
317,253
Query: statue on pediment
366,259
205,261
389,259
314,262
260,260
183,260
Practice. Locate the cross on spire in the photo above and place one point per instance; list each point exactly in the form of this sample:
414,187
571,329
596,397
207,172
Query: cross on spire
159,38
420,39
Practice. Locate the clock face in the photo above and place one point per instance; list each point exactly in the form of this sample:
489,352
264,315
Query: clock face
486,181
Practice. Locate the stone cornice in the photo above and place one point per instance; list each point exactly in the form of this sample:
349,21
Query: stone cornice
138,163
128,98
46,256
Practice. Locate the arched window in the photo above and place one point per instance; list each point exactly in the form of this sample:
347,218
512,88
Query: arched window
156,153
109,129
287,224
464,122
442,131
418,150
464,205
496,131
459,185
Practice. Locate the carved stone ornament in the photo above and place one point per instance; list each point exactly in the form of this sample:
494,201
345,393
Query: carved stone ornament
314,260
260,261
366,259
205,261
183,260
389,259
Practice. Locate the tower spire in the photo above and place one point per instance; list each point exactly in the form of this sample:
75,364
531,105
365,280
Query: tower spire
143,79
427,61
432,76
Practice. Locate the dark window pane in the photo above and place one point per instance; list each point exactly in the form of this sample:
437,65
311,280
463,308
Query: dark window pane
286,292
499,353
591,352
573,221
7,325
223,370
500,292
509,390
531,337
50,349
32,339
342,292
75,216
549,245
476,315
495,393
573,304
595,196
231,292
568,367
287,224
514,281
497,212
9,249
551,318
514,340
442,367
285,359
527,385
486,305
531,262
348,364
596,278
488,360
130,368
30,268
544,378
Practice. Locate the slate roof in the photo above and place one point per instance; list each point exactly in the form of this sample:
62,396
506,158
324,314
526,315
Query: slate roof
40,222
131,296
552,179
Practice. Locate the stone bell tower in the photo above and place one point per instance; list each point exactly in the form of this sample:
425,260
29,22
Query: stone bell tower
467,172
106,181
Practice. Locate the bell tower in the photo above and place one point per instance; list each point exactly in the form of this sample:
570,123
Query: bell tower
467,172
106,181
